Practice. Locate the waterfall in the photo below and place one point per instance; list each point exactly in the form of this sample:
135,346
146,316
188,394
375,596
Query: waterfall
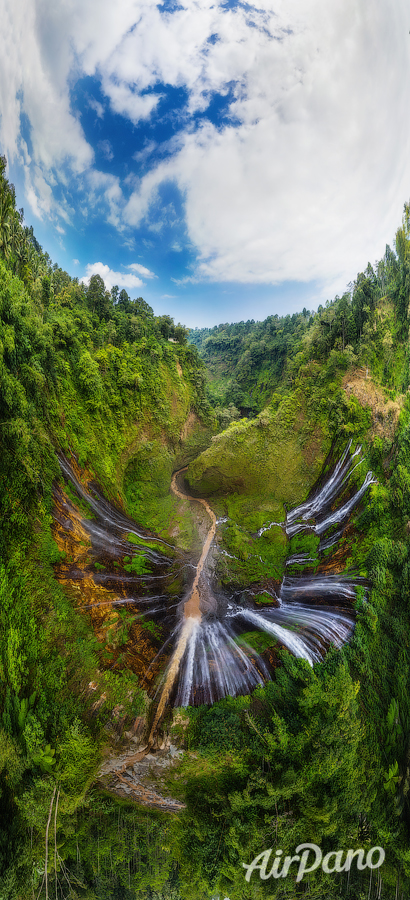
108,532
343,513
216,666
212,656
314,587
216,662
325,495
188,630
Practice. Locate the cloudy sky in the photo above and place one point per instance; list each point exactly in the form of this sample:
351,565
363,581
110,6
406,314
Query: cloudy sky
224,160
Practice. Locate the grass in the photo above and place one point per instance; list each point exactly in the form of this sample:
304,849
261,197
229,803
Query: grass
250,471
263,459
258,640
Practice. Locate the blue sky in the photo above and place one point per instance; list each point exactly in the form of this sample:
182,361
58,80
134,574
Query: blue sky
223,160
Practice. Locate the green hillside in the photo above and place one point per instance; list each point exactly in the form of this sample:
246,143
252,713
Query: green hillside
248,362
318,754
92,374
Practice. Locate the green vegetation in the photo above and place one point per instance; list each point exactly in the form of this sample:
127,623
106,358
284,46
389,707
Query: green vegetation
137,565
257,781
250,361
323,753
319,755
118,851
92,373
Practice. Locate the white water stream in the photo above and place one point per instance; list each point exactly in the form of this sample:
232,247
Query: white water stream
211,656
211,660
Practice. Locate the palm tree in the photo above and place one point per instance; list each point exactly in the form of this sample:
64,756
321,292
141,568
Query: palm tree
6,214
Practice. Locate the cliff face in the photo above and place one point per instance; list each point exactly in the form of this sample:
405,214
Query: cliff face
101,381
270,456
385,410
96,387
102,384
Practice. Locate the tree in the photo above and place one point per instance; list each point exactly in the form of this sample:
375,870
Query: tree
124,301
6,210
181,333
98,299
343,321
166,326
141,307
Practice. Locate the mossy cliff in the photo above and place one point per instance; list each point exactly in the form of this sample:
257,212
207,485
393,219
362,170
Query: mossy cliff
316,754
143,399
94,374
256,469
268,457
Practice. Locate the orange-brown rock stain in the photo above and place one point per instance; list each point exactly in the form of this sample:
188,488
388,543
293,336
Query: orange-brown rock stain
76,573
385,412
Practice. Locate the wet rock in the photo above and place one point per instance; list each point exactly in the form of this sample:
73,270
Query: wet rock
139,776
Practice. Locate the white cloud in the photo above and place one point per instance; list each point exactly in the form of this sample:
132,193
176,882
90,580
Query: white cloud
105,148
187,279
146,273
308,179
96,106
40,196
140,156
76,262
104,190
305,178
110,278
35,82
129,103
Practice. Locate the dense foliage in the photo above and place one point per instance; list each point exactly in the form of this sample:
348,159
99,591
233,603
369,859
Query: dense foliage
318,754
88,371
249,361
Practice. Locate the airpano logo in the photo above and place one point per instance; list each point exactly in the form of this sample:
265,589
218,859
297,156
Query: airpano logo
332,862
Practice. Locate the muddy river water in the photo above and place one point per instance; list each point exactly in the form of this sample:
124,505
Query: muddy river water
192,604
191,647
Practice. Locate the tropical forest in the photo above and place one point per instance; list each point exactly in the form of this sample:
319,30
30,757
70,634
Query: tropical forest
204,591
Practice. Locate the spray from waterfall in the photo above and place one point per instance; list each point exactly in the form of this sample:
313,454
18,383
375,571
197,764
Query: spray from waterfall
188,629
192,616
212,660
215,652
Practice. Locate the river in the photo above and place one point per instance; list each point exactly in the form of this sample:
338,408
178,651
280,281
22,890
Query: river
194,651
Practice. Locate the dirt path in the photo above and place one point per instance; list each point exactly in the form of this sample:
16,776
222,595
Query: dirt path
192,604
192,611
192,616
